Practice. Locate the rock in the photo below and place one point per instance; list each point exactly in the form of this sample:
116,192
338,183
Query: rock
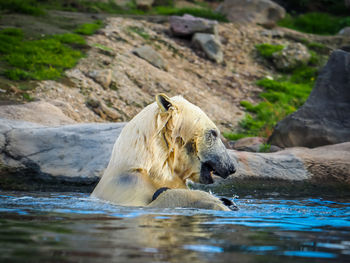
252,11
150,55
101,109
122,3
291,172
272,33
249,144
103,77
144,4
188,25
209,45
345,31
76,155
324,118
73,153
39,112
291,57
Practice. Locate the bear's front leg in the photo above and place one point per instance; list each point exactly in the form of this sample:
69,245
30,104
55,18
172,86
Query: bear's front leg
191,199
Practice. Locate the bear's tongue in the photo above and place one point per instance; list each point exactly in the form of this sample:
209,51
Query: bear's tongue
206,173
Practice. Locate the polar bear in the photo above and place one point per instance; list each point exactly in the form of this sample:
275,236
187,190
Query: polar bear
167,143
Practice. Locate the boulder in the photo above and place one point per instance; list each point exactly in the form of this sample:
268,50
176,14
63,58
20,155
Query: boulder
295,171
151,56
263,12
325,116
249,144
103,77
76,153
144,4
345,31
101,109
291,57
38,112
210,45
188,25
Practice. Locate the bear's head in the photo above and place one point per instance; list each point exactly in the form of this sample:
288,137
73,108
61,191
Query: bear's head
191,140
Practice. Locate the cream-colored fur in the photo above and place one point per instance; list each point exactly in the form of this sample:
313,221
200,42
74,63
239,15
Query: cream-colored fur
150,153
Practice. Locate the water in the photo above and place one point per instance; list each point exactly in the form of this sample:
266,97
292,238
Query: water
72,227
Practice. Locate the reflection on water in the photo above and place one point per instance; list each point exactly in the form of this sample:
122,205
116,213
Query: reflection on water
50,227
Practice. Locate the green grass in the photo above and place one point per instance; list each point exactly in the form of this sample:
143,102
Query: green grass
38,7
39,59
266,50
139,31
315,23
264,148
103,47
90,28
280,98
28,7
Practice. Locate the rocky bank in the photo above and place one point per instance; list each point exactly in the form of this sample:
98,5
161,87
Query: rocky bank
73,157
113,82
127,63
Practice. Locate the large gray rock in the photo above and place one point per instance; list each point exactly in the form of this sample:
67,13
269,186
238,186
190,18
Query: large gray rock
252,11
151,56
345,31
292,172
76,153
325,116
210,45
188,25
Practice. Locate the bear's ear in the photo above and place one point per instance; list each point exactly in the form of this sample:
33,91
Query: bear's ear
163,101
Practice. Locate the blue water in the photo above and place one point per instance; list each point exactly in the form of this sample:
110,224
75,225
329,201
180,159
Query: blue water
72,227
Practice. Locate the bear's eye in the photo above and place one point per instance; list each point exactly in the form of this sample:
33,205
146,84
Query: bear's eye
214,133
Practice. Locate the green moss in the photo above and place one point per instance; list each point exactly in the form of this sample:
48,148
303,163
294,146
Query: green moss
280,98
27,97
89,28
45,58
139,31
70,38
162,7
103,47
265,147
266,50
315,23
235,136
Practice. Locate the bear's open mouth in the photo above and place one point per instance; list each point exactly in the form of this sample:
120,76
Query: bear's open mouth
206,173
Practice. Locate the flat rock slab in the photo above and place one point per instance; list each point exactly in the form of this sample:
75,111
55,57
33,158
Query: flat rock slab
252,11
150,55
78,154
295,171
38,112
